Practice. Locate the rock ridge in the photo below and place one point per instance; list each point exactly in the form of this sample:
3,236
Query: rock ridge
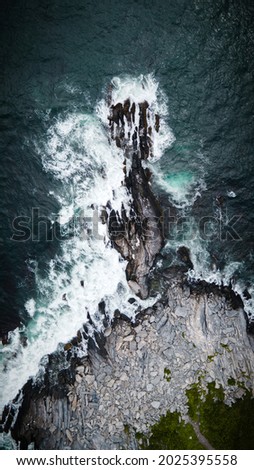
135,372
138,236
107,399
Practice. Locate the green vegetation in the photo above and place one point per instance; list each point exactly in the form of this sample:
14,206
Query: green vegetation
211,358
244,374
167,374
225,346
231,381
126,429
170,433
225,427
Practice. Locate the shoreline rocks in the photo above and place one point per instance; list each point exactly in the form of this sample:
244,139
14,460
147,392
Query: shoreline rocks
137,237
135,372
148,366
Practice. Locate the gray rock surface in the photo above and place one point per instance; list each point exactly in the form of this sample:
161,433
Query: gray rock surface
127,391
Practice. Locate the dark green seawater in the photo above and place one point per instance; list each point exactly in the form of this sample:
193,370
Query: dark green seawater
58,56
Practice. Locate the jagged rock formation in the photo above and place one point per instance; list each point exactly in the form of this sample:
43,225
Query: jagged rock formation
197,336
135,373
138,236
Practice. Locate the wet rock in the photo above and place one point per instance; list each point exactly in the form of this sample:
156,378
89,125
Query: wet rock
220,200
184,255
157,122
98,343
246,294
101,307
131,300
135,287
139,238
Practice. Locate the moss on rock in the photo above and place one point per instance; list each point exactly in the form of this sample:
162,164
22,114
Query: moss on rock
167,374
170,433
225,427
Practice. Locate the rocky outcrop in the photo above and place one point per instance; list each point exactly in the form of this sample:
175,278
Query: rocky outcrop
197,336
138,235
135,373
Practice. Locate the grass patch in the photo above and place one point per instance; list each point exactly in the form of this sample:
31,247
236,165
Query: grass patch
167,374
231,381
170,433
211,358
126,429
225,427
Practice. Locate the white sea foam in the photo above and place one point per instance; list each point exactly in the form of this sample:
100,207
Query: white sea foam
231,194
228,276
89,171
205,268
30,307
184,187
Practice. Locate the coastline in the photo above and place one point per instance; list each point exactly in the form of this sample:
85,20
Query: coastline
193,338
112,398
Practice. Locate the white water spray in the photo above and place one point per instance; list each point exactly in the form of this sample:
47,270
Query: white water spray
79,154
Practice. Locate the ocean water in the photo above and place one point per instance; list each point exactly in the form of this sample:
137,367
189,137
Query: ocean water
193,62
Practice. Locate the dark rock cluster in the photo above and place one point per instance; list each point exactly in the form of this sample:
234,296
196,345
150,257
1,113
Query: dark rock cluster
137,236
